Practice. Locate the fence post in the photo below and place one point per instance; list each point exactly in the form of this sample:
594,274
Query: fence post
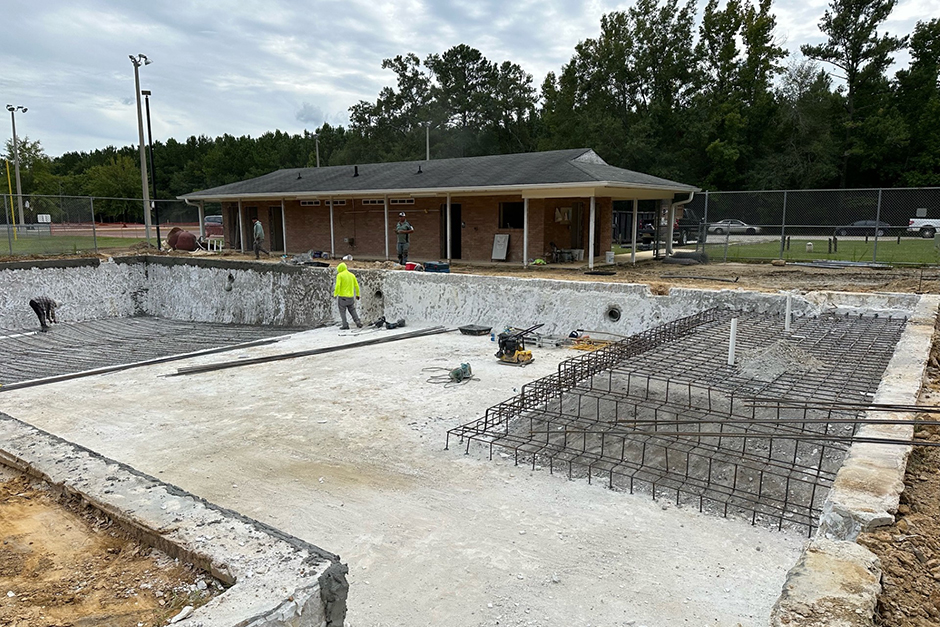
6,217
727,238
94,227
783,223
874,255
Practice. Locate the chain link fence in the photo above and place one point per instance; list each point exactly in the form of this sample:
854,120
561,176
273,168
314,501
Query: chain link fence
880,226
59,225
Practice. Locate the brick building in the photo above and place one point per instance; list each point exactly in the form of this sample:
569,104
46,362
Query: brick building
541,201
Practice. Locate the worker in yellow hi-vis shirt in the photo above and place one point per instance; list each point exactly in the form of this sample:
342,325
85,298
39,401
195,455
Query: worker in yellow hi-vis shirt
346,293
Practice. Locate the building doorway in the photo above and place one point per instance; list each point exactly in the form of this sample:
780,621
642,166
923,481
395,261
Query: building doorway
276,228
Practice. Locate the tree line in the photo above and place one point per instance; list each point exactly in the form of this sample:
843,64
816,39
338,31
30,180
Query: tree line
720,106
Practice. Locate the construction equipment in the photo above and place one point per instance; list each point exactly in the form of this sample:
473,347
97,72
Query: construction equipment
512,347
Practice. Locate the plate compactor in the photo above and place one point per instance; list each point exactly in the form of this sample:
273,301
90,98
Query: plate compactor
512,347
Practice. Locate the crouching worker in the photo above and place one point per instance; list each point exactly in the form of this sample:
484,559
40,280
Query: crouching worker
45,310
346,293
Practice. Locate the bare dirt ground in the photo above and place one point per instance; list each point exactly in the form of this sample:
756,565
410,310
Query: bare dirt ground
62,565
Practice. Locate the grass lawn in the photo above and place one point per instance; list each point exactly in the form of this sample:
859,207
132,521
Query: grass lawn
909,251
62,244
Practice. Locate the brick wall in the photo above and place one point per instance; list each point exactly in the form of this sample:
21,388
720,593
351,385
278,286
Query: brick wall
308,228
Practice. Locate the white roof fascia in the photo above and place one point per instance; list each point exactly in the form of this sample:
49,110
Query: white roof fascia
441,191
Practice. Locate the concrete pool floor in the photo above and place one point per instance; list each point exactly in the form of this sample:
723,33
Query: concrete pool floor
345,451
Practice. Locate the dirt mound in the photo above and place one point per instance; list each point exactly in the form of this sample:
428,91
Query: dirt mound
769,362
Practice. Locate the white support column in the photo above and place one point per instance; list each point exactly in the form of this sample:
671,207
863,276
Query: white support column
670,232
525,233
202,218
448,230
386,227
591,235
636,205
241,226
283,227
332,242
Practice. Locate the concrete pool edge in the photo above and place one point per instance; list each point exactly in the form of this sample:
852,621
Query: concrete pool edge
276,579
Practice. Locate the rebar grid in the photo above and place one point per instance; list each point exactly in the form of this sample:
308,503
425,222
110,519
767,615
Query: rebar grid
662,412
75,347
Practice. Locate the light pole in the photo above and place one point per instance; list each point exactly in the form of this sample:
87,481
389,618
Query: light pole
316,139
16,158
139,60
153,179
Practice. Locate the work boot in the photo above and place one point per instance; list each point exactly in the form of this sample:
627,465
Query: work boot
346,328
359,324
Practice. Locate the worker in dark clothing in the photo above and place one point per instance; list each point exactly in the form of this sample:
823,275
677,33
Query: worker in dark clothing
45,310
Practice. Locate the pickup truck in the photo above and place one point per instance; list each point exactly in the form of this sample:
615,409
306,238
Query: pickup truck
925,227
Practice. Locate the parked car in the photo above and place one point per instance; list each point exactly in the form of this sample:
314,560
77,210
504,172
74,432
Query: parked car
735,227
925,227
213,226
864,227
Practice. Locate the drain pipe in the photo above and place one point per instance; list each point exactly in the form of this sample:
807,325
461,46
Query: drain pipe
672,221
202,215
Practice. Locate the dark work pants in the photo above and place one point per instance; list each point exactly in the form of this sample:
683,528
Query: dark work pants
347,303
41,313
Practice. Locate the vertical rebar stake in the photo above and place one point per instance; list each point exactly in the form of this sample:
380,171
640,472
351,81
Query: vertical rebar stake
734,337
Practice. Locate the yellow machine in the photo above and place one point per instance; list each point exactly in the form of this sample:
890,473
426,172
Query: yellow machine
512,348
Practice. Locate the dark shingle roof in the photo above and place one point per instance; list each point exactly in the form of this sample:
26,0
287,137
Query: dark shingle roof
580,166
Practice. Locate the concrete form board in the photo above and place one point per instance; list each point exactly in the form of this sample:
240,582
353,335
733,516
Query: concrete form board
275,580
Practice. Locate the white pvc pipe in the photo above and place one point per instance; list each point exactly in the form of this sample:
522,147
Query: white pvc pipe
786,324
734,339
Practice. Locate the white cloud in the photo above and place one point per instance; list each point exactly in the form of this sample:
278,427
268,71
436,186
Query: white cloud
250,66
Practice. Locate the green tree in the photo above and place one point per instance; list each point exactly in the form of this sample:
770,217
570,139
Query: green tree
804,153
918,99
112,182
855,48
627,93
736,102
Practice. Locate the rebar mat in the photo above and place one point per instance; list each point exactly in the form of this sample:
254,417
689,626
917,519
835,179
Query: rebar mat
663,413
79,346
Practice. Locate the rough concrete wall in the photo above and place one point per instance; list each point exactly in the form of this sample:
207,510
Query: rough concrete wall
563,306
251,293
85,289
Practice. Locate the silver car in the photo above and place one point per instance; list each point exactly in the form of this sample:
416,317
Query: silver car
735,227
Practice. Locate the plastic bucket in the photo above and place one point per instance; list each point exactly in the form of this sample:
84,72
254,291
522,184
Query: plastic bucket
609,256
410,265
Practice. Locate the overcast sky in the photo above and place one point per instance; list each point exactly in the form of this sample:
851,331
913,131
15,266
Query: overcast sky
250,66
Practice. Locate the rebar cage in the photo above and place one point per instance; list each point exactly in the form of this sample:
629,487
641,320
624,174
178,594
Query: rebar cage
663,413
